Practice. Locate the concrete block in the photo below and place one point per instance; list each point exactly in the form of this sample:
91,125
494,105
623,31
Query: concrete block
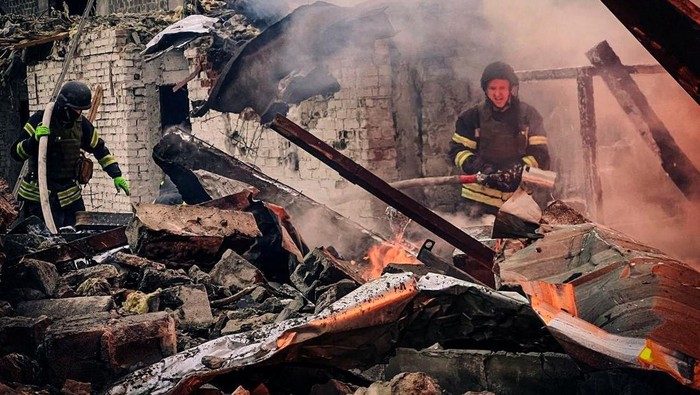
65,307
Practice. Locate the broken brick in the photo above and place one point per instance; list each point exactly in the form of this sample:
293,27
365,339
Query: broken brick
235,272
98,347
187,235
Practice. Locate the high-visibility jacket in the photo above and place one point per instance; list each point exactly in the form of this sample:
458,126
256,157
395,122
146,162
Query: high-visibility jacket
499,139
63,153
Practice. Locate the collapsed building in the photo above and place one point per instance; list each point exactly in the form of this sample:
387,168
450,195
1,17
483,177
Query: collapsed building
232,300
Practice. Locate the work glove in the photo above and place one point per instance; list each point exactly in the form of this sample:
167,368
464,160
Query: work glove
120,183
506,180
41,130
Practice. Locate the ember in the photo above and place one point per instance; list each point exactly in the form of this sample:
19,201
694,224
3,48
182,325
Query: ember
384,254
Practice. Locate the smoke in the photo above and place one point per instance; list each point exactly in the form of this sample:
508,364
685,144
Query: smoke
639,199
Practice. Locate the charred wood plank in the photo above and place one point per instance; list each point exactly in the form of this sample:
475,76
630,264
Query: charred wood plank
573,72
179,155
62,254
586,108
379,188
670,31
673,160
40,40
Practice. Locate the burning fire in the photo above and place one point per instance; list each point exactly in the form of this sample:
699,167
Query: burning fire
381,255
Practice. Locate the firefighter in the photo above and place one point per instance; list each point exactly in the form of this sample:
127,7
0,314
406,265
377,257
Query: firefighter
499,134
69,132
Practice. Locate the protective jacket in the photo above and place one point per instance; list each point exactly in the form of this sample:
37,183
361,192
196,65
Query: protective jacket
488,140
63,153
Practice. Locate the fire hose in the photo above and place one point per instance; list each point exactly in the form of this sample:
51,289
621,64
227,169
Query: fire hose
507,180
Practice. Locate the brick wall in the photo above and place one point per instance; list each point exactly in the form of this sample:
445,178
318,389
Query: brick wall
23,7
129,116
394,115
105,7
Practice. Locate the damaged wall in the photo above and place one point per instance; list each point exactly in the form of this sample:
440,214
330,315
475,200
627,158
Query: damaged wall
128,118
25,7
106,7
394,114
102,7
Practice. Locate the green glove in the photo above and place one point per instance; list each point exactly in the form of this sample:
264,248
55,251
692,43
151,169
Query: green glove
120,183
41,130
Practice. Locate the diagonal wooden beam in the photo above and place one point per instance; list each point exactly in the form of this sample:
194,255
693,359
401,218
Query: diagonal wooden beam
670,31
673,160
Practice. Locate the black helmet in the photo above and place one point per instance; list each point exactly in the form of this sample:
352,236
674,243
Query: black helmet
498,71
75,95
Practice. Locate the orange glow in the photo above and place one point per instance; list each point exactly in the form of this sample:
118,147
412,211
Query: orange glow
381,255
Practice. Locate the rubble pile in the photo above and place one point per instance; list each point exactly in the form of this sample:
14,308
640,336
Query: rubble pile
226,296
24,39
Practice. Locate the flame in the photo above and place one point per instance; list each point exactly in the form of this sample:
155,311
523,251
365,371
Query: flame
381,255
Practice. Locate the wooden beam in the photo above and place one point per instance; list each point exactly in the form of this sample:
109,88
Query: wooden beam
673,160
586,108
42,40
573,72
670,31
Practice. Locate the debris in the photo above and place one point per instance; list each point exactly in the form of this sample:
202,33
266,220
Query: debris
96,348
366,319
31,273
178,35
252,78
234,272
571,276
65,307
178,154
191,306
22,334
184,235
8,206
138,302
500,372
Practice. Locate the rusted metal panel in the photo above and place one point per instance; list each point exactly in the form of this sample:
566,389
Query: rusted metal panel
670,31
358,330
379,188
611,301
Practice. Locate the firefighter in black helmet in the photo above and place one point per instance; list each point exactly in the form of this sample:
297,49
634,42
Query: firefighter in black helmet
501,133
68,133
